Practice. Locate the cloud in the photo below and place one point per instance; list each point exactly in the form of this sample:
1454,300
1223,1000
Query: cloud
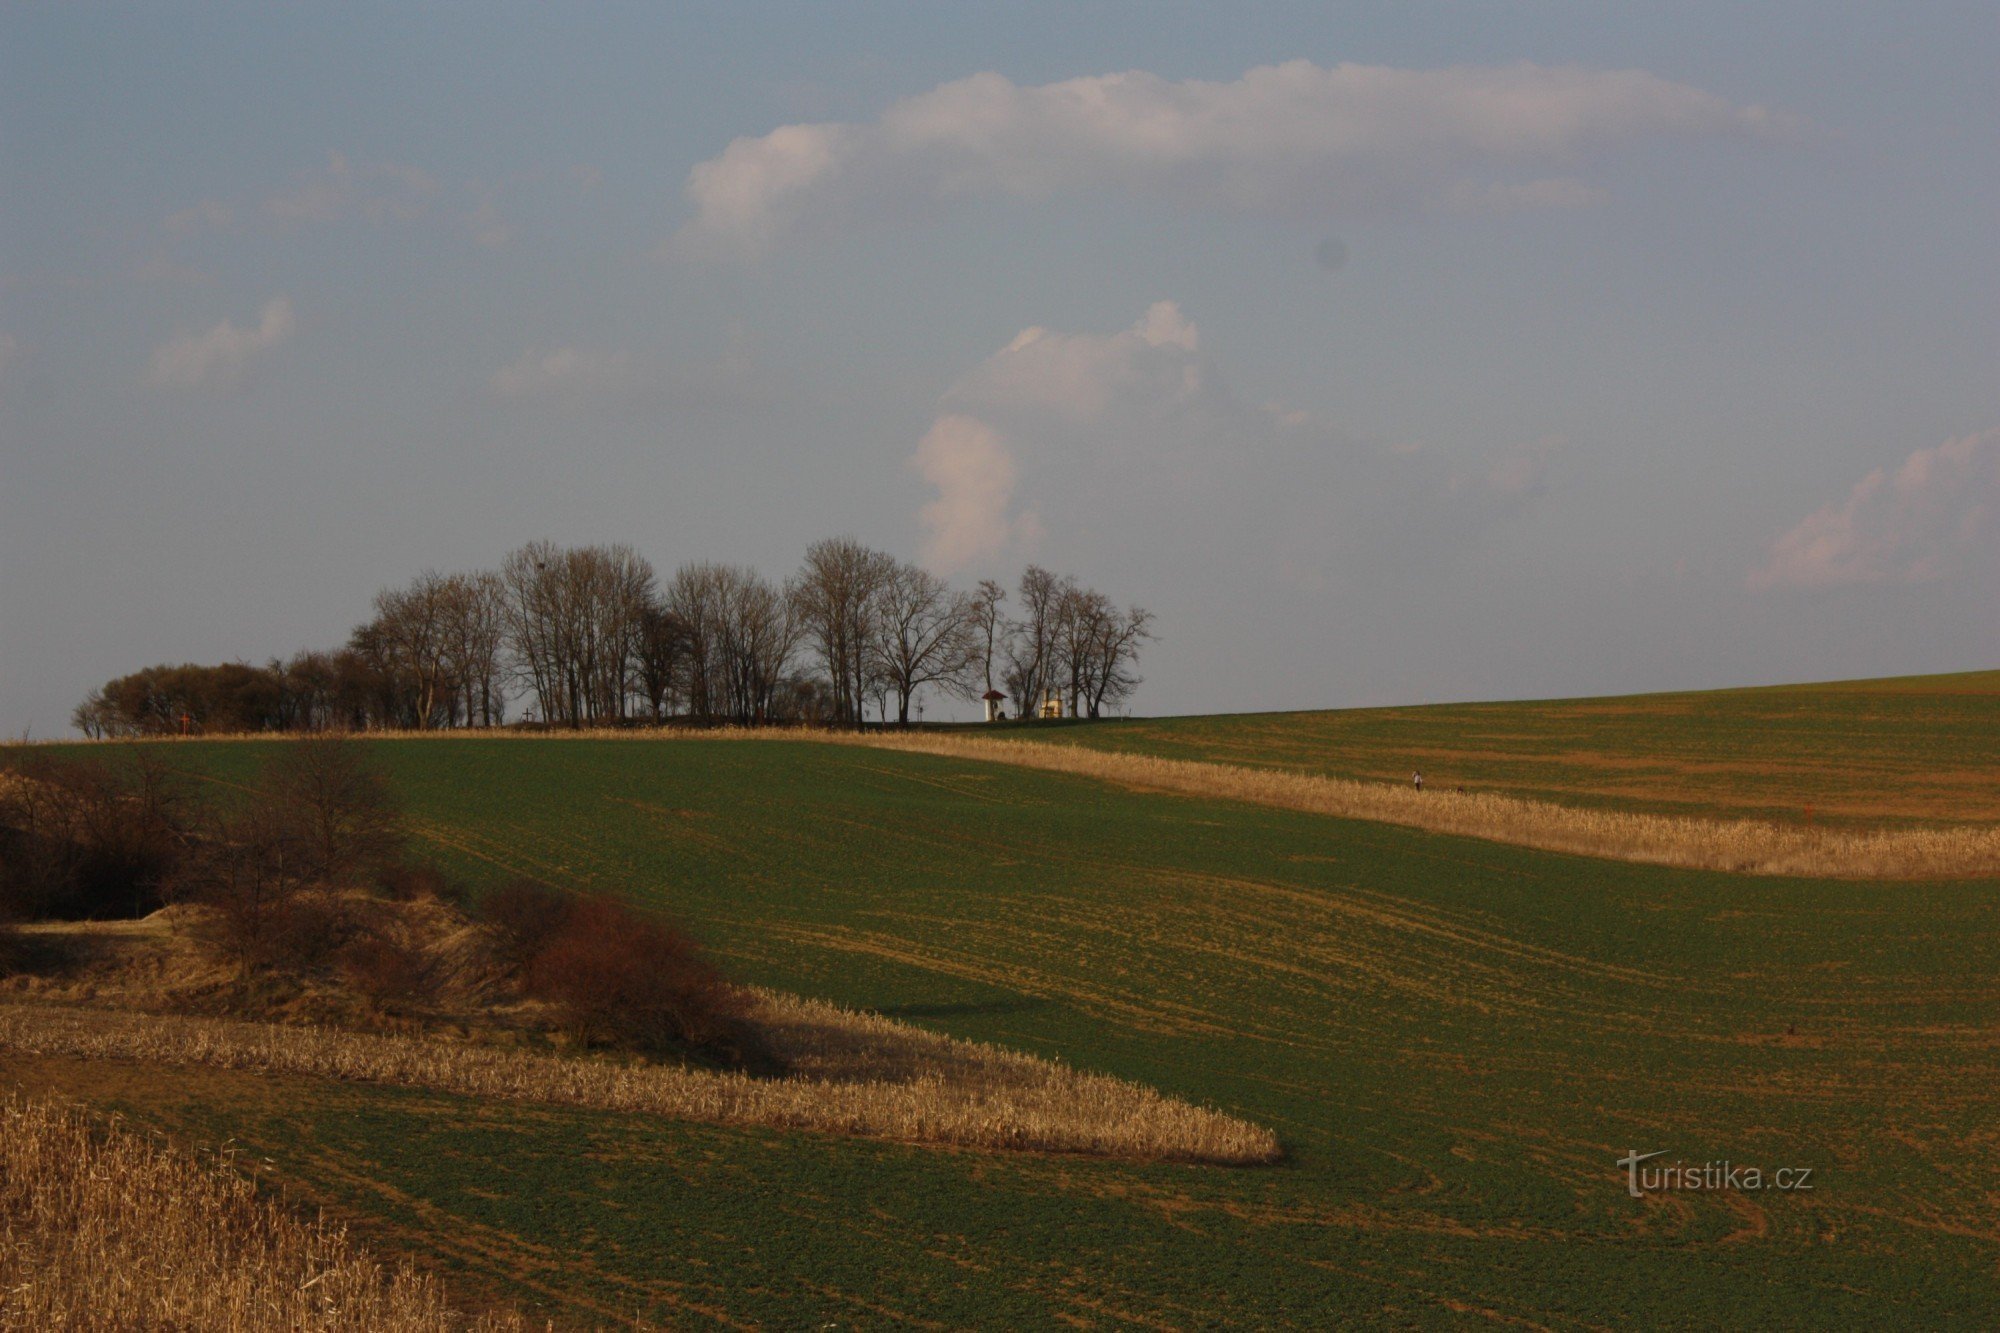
1519,473
219,357
1088,398
1154,368
1292,137
377,191
208,214
1910,526
969,463
1131,448
564,371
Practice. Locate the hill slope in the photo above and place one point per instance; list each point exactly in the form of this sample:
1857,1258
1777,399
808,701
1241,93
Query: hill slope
1456,1040
1912,749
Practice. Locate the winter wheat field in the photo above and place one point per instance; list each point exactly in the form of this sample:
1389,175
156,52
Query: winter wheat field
1454,1039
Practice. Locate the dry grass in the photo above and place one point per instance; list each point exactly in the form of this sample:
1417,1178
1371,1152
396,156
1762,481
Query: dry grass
100,1229
1746,846
853,1074
1742,845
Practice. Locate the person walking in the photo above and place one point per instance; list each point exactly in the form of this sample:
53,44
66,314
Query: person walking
1418,780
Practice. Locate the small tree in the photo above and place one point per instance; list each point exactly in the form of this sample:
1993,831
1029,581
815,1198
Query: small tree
249,873
338,804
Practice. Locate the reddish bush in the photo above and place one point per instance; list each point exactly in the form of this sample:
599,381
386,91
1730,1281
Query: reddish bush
629,980
408,881
383,970
526,915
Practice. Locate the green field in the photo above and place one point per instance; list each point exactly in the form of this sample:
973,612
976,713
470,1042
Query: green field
1455,1040
1917,749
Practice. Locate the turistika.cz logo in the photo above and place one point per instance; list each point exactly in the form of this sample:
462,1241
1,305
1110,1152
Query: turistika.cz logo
1641,1180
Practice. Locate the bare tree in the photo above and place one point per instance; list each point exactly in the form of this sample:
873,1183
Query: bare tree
759,633
410,633
337,805
923,635
697,599
1086,624
250,872
1110,668
662,661
475,637
988,626
835,600
1032,641
573,620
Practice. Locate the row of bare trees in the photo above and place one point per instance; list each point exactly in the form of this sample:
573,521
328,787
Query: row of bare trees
591,636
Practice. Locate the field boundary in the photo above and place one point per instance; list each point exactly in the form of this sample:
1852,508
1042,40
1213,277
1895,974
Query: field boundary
1741,846
900,1082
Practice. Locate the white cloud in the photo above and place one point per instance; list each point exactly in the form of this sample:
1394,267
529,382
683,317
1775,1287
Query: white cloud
969,463
377,191
1082,409
1152,368
1100,446
1291,136
1915,524
218,358
759,188
564,370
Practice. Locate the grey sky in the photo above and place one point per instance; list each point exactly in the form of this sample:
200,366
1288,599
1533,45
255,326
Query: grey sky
1393,355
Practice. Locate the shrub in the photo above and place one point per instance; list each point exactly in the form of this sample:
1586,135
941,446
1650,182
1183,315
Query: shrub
339,805
251,870
526,914
384,971
632,981
85,839
409,881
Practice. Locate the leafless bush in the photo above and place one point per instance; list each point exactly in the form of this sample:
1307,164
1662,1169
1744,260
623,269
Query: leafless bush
89,838
408,881
627,980
525,914
385,970
338,804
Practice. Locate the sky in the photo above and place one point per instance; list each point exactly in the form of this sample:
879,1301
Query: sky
1386,353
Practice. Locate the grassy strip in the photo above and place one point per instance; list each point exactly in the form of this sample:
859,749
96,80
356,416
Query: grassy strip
1744,846
100,1228
857,1074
